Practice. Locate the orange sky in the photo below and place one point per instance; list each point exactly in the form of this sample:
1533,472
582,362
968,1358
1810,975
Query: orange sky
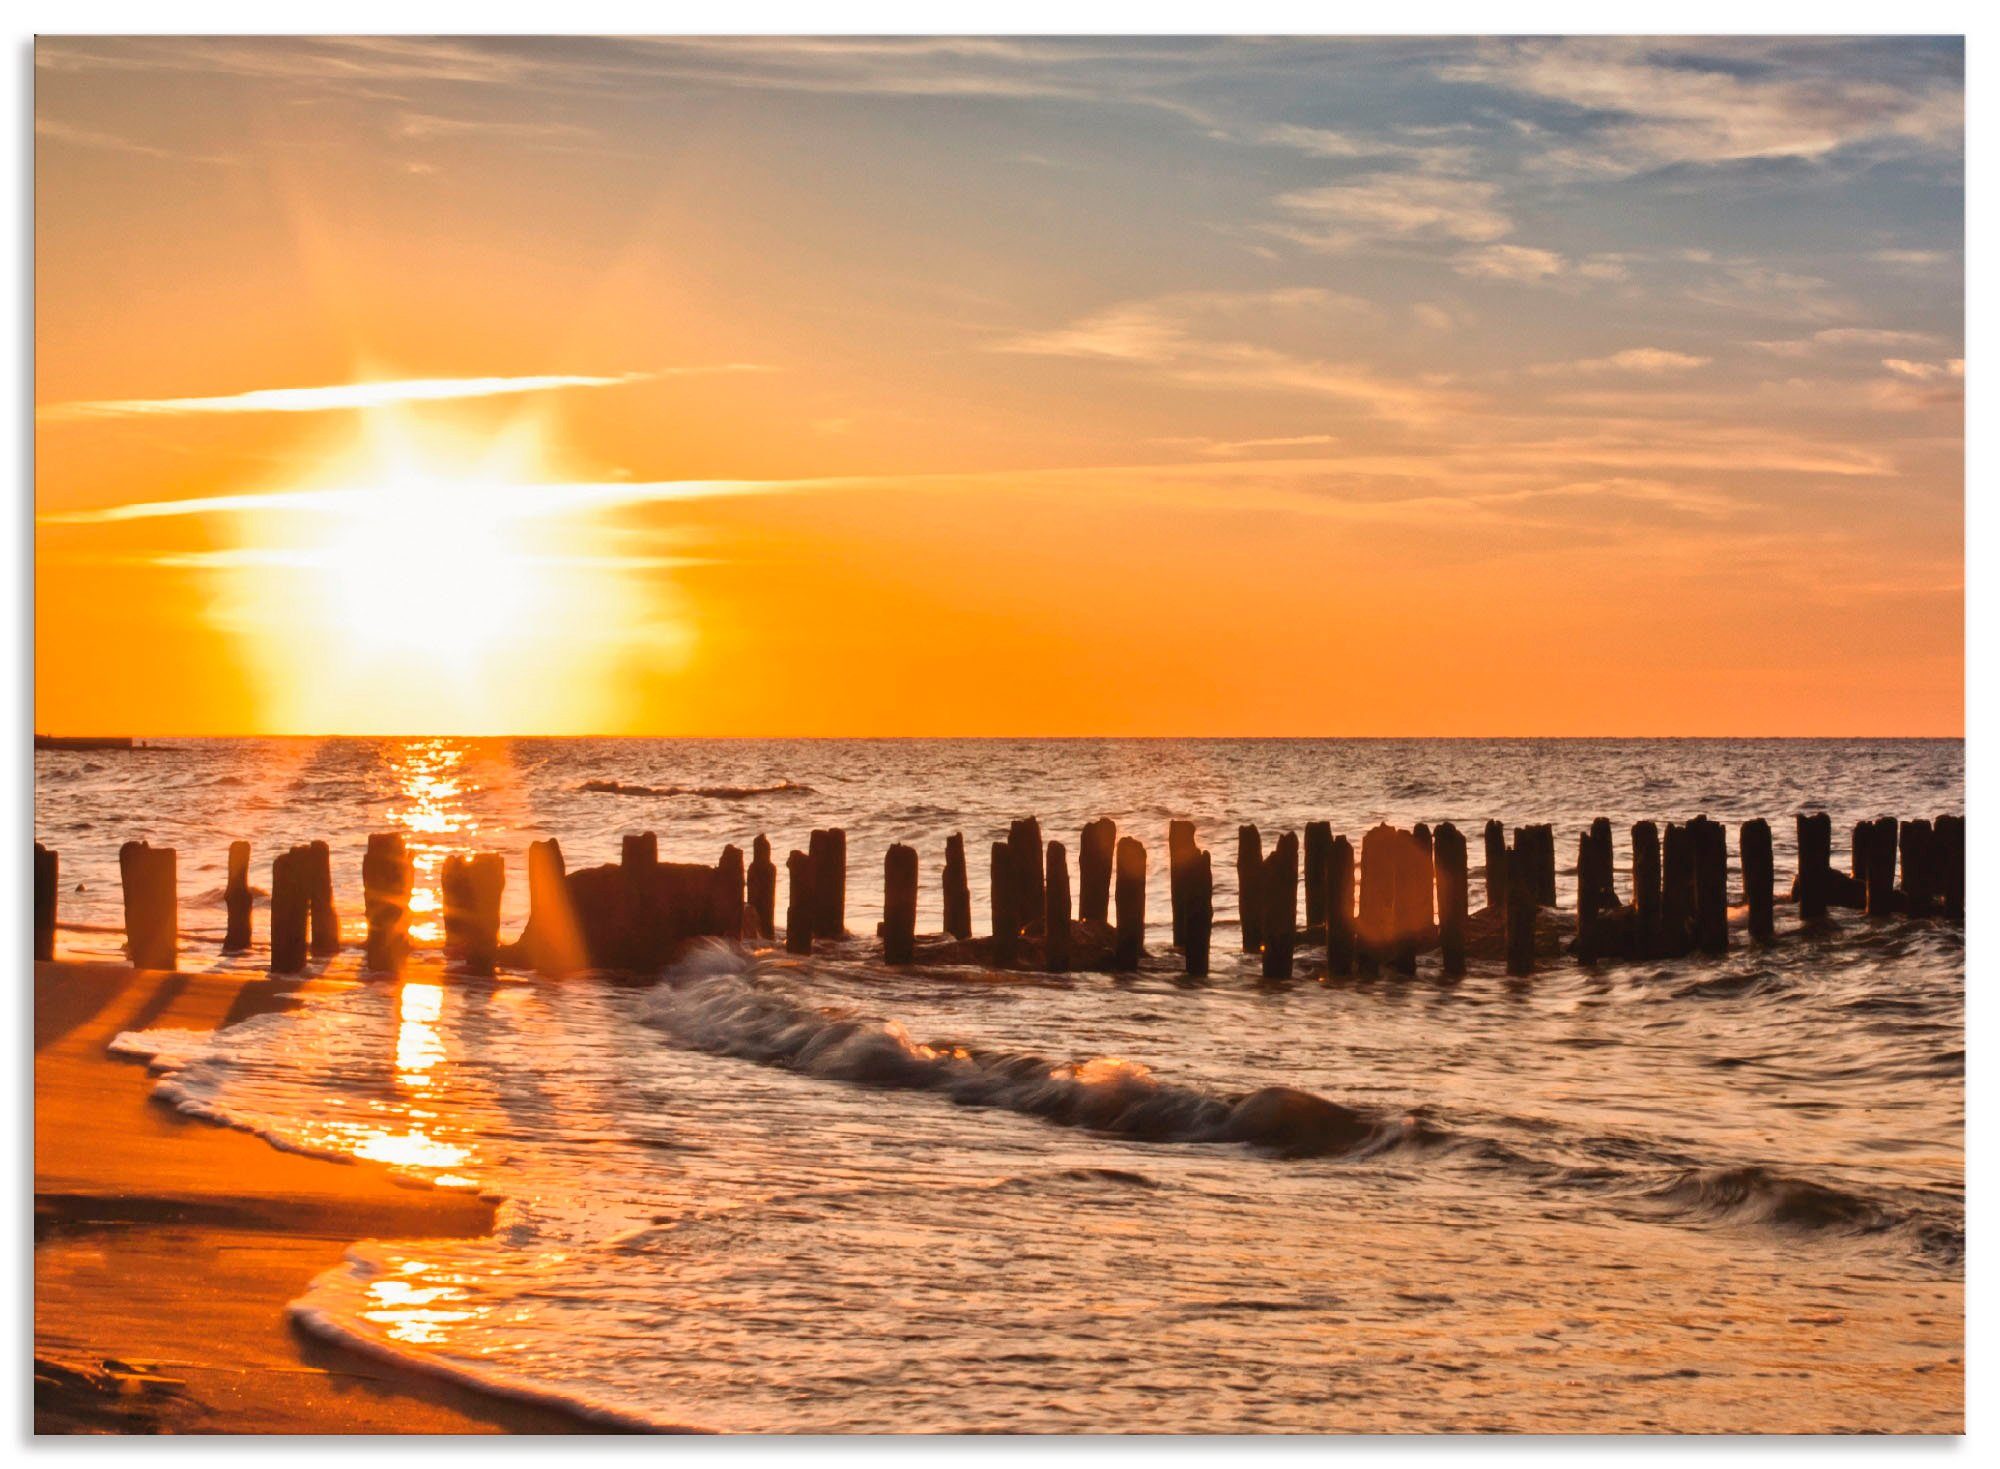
1002,387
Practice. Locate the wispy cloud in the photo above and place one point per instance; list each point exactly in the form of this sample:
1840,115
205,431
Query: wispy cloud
337,397
1639,361
504,501
1394,206
80,137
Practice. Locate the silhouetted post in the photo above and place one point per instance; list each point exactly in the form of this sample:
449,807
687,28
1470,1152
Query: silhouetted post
1587,937
1250,887
551,943
385,896
1281,906
236,900
829,858
1201,914
799,905
291,905
1319,841
1646,886
1411,888
957,889
1753,845
1180,857
1815,863
1711,884
1453,895
1881,863
1006,915
761,884
1676,892
1496,866
1024,891
1950,835
1376,924
148,875
47,872
639,851
471,888
729,886
1603,864
1863,834
1920,883
1521,906
1545,864
1093,863
1340,906
1055,911
325,924
1131,899
899,904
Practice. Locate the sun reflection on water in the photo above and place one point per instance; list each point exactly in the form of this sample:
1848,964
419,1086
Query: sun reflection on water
431,781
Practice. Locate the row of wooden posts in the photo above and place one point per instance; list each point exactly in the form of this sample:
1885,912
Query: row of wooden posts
1403,893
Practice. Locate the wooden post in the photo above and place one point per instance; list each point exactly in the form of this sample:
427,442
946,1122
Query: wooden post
1055,911
1024,890
471,887
762,885
1646,886
551,942
639,851
1281,906
899,904
1180,857
1603,864
1340,906
828,850
1496,866
1006,916
1376,924
1201,914
1676,892
1815,863
1093,863
1920,884
152,918
1319,842
1521,906
385,892
799,905
1587,936
957,889
325,924
48,870
1858,841
1880,858
1710,846
291,905
1753,845
1950,832
1411,890
1131,900
729,886
1545,864
1453,895
236,900
1250,887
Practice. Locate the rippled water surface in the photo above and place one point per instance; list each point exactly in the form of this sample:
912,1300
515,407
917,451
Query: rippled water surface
763,1194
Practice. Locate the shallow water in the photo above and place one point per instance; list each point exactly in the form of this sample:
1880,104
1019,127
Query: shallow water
759,1194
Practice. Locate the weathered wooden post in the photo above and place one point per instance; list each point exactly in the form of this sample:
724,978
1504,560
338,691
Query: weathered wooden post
1340,906
1603,864
1858,848
1950,833
1545,864
1753,845
236,900
1281,906
152,899
957,889
1093,868
828,850
1055,911
48,868
1410,896
1880,858
1006,915
291,906
1376,923
1710,846
551,943
800,909
1587,936
325,923
1676,892
1180,857
899,904
729,887
1496,866
471,886
1521,906
639,851
762,885
1201,914
1250,887
1646,887
385,894
1920,884
1024,890
1453,895
1131,900
1815,864
1319,842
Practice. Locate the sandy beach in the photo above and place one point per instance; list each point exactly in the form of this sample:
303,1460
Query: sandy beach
167,1249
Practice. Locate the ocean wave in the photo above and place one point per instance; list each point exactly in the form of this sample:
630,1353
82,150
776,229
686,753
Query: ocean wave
1763,1197
714,793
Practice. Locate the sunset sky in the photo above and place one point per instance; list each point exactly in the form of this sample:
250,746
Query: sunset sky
915,387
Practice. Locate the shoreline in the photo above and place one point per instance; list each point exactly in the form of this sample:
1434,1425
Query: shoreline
168,1249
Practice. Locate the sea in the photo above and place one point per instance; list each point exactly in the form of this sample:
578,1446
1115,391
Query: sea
772,1194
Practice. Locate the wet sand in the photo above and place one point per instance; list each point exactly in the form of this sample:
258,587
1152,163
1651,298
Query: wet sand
166,1249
